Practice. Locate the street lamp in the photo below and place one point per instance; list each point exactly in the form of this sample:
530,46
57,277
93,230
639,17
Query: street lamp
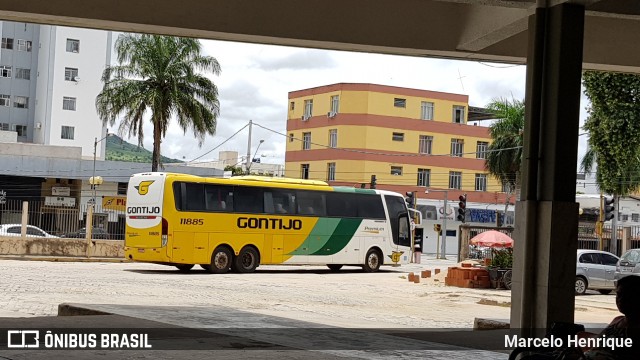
250,161
96,180
443,244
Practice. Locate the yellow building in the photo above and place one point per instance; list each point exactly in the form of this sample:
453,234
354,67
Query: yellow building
409,139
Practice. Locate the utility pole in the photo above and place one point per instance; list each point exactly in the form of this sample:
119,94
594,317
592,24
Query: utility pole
613,248
248,164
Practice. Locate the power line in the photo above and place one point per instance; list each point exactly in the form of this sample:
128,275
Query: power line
222,143
382,153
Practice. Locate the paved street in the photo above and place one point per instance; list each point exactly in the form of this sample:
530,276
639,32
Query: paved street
303,297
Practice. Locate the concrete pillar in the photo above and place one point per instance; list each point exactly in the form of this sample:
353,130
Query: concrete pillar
626,239
546,231
89,228
25,219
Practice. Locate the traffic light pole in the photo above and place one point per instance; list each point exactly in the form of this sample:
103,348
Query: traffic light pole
613,247
443,244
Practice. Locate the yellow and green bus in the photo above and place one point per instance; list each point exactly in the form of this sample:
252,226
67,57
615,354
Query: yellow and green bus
238,223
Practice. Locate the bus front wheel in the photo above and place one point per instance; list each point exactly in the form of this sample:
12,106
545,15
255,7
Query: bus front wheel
372,261
247,261
220,260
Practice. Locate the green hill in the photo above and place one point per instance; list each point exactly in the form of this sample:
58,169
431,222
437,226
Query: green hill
120,150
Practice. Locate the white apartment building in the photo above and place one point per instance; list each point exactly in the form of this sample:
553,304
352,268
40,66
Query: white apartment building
49,79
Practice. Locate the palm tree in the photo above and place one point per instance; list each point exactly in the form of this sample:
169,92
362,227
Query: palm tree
505,152
160,75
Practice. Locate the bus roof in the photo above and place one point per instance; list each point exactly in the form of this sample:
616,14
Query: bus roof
280,180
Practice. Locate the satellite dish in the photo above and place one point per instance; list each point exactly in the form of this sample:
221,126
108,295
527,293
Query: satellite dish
76,78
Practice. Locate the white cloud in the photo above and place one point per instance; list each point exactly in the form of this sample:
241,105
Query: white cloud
256,79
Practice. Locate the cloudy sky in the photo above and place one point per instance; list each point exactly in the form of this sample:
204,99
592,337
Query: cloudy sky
255,81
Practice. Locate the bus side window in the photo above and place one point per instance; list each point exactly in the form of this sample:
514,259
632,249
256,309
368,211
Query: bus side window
248,199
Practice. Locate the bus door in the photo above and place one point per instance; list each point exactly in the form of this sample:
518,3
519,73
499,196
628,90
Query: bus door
399,219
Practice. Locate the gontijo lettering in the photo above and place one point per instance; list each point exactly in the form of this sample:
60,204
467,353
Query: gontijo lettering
266,223
143,210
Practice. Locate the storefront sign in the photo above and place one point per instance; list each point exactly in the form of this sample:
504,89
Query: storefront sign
482,215
60,191
118,203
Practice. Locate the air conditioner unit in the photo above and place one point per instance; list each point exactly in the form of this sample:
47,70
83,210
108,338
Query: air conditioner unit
38,125
76,78
305,117
332,114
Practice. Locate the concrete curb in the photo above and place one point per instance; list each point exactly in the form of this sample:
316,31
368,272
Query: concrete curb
62,258
65,309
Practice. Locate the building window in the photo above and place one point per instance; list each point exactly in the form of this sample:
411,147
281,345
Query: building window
308,109
7,43
122,188
481,182
333,138
424,146
23,45
21,130
306,141
458,114
335,104
400,103
424,177
396,170
67,132
5,71
292,106
70,74
291,138
4,126
455,180
397,136
481,149
69,103
331,171
304,171
24,74
457,147
21,102
5,100
635,217
73,45
426,110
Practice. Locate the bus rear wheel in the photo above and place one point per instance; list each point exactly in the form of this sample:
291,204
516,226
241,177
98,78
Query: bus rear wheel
334,267
247,261
184,267
372,261
220,260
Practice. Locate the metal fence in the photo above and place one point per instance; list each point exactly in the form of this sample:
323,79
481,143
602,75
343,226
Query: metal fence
64,221
468,251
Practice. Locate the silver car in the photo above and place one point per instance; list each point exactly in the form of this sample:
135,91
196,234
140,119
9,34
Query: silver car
595,270
16,230
629,264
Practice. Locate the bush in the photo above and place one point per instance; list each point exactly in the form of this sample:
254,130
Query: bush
502,259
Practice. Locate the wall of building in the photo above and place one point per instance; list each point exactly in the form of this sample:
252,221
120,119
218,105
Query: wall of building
365,124
90,61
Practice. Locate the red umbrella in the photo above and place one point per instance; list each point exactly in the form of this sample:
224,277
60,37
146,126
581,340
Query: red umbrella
492,238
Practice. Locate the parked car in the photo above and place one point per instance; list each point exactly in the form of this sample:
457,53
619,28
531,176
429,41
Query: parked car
97,233
16,230
629,264
595,270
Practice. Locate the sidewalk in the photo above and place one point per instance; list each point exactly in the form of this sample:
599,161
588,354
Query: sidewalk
62,258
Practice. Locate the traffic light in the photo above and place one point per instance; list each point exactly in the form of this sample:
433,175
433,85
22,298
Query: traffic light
411,200
609,207
373,183
462,207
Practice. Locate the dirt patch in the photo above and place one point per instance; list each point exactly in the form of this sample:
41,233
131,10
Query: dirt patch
494,303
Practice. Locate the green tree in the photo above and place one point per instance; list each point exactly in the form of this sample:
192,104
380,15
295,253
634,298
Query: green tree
613,125
505,152
234,170
160,75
